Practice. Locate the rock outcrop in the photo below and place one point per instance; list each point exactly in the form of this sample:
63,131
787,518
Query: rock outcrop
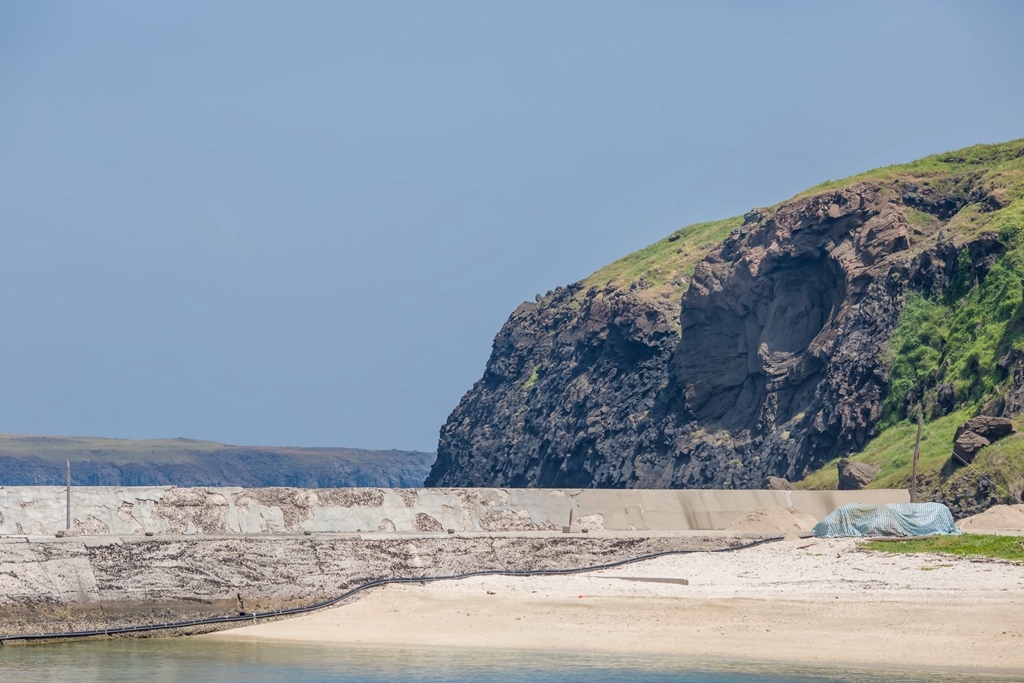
977,433
854,476
766,356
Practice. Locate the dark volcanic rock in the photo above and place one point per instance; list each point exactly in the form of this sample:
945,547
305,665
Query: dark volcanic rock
854,476
991,428
570,384
966,445
777,364
977,433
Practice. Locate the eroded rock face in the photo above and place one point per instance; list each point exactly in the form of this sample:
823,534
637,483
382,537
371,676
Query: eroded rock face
774,324
777,365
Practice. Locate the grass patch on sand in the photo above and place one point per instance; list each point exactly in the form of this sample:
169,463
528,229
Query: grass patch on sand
967,545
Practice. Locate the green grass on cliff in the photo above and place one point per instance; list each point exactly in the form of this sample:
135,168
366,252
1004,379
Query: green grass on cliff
662,271
893,451
1003,463
958,341
998,164
664,268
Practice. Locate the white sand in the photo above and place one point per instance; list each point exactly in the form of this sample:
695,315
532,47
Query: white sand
773,519
809,601
997,519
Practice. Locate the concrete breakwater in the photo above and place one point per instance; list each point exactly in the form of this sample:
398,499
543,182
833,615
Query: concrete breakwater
160,510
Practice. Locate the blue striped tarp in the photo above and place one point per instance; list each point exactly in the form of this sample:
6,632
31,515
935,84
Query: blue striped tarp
894,519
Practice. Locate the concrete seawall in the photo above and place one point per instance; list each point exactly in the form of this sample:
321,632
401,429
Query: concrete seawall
219,551
160,510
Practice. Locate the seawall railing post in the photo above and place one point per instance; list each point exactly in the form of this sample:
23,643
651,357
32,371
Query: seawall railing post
67,520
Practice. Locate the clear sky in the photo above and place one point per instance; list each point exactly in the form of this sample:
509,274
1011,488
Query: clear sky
302,223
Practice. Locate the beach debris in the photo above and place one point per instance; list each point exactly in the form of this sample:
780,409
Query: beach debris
648,579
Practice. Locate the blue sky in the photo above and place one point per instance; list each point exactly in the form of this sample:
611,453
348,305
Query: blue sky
303,223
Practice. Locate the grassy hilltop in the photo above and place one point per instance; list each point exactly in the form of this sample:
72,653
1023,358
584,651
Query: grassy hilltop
770,344
961,340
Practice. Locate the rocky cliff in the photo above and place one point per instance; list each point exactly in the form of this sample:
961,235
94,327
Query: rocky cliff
735,350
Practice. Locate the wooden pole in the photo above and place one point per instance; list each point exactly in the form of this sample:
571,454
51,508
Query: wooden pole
68,518
917,454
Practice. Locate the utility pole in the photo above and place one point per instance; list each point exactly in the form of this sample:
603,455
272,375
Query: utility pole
68,519
917,454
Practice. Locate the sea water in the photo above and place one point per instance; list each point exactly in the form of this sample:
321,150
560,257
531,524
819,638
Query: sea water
195,659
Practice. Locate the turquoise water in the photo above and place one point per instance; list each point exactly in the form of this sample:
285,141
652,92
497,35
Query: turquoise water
188,659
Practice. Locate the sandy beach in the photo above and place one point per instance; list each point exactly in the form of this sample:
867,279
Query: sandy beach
807,601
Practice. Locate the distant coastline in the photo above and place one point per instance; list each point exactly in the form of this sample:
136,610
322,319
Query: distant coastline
40,461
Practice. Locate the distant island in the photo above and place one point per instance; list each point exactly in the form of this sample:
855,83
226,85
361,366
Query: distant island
41,461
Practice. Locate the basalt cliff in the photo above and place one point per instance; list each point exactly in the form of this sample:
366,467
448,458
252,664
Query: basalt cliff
755,346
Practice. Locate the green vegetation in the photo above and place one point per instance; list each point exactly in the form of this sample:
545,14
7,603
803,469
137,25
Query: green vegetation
664,268
1003,463
662,271
957,341
893,451
997,165
953,348
921,219
967,545
532,379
